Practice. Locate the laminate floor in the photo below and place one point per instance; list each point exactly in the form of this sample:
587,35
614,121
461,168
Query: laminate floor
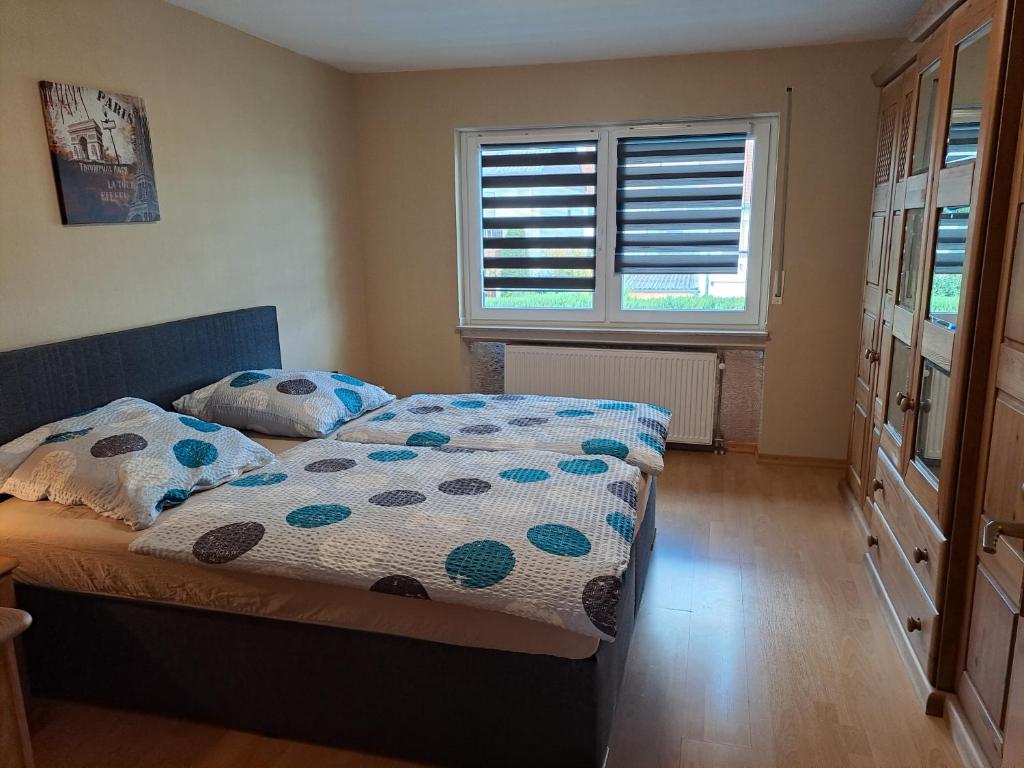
760,644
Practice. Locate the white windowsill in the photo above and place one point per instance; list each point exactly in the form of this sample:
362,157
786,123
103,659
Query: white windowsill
743,339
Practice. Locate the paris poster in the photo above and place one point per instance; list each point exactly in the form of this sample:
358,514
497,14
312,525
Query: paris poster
102,157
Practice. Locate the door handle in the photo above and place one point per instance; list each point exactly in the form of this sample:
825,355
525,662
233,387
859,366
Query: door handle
871,355
994,529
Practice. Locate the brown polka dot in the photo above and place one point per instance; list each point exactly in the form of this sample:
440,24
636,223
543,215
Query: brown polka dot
480,429
655,426
600,599
224,544
464,486
528,421
115,445
624,491
397,498
403,586
296,387
330,465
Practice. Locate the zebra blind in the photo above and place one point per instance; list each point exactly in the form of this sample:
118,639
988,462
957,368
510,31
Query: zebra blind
951,242
964,129
539,215
679,203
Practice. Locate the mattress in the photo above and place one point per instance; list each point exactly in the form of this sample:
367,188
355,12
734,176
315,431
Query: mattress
74,549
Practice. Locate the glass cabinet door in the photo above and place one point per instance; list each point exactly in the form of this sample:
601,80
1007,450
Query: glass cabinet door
933,398
899,384
927,92
948,265
910,260
968,90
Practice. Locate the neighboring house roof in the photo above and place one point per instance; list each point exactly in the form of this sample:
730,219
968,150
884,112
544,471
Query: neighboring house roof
662,283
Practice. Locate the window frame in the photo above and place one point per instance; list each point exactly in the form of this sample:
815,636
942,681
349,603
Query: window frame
607,313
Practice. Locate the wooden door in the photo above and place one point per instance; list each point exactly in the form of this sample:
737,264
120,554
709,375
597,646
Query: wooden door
868,348
991,682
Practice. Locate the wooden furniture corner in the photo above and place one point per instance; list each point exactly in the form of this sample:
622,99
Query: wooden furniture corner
14,736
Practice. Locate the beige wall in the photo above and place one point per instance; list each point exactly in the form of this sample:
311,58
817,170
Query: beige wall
254,157
262,157
406,179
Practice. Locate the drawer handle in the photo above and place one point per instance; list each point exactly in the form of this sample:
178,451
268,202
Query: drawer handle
872,541
920,555
994,529
914,624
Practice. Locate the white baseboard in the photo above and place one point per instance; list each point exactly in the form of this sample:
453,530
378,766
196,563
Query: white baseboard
963,738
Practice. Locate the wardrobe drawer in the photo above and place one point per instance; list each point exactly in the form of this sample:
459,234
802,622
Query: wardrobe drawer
915,611
921,542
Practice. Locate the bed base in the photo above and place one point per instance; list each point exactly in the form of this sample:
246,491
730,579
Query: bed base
374,693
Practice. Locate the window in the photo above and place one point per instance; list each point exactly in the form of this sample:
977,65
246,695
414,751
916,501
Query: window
630,226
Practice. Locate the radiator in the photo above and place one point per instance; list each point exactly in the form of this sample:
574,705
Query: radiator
685,382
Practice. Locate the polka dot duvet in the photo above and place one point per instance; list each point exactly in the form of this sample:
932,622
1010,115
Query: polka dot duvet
536,534
633,432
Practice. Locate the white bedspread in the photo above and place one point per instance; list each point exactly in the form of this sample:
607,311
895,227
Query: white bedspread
633,432
536,534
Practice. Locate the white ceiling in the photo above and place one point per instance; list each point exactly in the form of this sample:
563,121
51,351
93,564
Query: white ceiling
392,35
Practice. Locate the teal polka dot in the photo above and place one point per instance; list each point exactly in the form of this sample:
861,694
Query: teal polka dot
658,408
558,539
603,447
617,406
63,437
172,498
621,524
573,412
317,515
583,466
385,416
195,453
524,475
248,378
399,455
652,441
427,439
344,378
350,399
197,425
253,481
468,403
479,564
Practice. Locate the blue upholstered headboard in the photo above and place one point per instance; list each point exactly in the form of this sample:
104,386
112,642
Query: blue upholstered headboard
158,363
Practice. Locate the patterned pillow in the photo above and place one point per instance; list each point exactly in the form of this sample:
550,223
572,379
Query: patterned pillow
286,403
129,459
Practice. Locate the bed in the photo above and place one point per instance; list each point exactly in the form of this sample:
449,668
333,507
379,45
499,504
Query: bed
442,684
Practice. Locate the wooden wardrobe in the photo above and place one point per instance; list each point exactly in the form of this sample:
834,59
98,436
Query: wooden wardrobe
937,434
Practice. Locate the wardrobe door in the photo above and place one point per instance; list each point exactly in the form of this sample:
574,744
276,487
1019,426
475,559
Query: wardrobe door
950,249
868,351
991,683
1004,501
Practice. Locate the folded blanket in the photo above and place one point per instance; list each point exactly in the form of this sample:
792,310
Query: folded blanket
535,534
633,432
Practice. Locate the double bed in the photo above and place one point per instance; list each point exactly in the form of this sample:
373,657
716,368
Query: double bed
437,682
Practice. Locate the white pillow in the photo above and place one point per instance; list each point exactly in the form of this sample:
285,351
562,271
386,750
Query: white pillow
287,403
